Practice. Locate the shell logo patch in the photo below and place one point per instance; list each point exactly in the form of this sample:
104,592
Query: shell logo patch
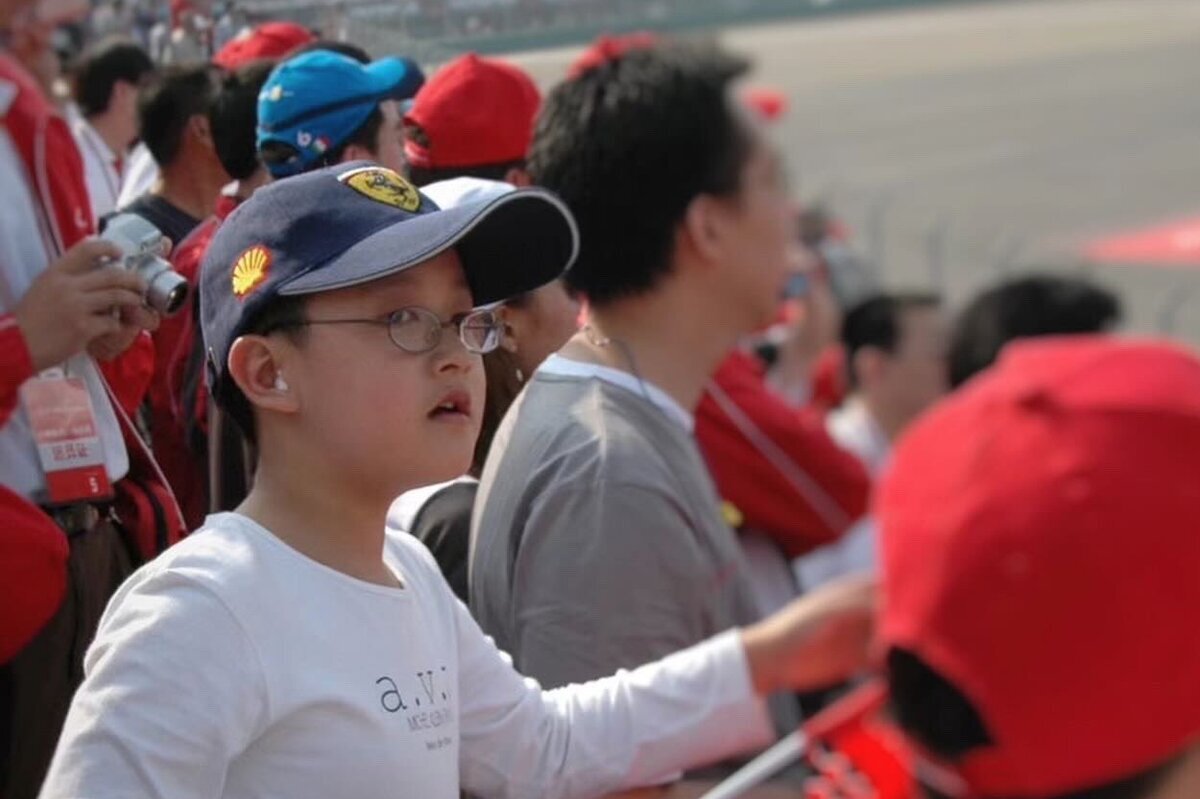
250,270
383,186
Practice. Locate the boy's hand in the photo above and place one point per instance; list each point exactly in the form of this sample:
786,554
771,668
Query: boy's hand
71,304
815,642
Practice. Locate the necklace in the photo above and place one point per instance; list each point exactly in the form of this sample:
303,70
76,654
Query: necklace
603,342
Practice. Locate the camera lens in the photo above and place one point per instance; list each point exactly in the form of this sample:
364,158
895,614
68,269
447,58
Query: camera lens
175,298
167,292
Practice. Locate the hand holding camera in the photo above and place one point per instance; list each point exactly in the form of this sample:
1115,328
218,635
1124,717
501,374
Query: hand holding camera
95,296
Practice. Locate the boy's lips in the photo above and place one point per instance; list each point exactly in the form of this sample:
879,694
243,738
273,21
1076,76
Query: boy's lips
454,404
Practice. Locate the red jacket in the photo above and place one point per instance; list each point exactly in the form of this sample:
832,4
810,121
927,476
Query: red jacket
54,169
775,464
33,550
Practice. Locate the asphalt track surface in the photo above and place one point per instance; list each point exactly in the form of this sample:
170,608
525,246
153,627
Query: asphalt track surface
969,142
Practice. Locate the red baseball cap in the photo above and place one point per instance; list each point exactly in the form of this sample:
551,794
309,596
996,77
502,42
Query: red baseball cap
269,40
473,111
33,571
606,48
1040,550
769,104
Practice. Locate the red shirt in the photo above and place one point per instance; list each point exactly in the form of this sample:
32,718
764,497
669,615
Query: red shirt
776,464
178,399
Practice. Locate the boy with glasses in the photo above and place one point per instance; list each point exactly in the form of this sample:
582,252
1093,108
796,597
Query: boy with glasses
293,648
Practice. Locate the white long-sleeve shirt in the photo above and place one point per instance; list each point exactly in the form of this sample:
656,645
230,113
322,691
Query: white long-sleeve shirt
234,666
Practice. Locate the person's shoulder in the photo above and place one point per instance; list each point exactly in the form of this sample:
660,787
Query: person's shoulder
601,415
187,256
226,556
202,582
408,551
142,205
404,510
417,567
565,432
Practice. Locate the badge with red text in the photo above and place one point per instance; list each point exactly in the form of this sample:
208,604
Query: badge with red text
64,426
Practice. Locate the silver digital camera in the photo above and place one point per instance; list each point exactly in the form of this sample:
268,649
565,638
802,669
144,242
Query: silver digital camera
142,248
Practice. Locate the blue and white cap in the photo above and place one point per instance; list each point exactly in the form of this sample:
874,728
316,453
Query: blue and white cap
354,223
317,100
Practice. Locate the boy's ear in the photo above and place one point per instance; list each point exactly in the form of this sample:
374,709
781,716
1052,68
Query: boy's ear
256,369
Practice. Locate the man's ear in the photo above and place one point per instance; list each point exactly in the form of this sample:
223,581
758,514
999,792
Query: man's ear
256,369
702,228
202,130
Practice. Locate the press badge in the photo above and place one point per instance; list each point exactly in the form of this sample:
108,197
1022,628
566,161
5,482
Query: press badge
63,421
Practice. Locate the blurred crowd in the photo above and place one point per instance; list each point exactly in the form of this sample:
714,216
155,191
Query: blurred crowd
644,397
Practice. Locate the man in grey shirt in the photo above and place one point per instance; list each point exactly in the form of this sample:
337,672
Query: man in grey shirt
597,541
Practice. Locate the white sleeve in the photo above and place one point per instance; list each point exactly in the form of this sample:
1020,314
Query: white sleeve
635,728
174,692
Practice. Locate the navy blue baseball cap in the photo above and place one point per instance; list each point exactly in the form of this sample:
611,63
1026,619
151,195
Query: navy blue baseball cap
354,223
317,100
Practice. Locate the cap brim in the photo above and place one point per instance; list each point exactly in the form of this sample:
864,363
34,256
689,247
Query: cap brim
392,78
508,245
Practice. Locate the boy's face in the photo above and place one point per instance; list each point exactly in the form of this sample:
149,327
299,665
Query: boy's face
373,409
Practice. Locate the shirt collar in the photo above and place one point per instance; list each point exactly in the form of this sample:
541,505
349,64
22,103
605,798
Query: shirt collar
96,141
567,367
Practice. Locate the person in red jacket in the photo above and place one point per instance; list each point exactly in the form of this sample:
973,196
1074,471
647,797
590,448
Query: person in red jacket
94,481
788,488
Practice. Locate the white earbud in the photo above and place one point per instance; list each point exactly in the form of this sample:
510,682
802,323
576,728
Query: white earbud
280,383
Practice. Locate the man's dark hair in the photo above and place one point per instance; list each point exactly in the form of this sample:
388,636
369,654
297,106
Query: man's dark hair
1037,305
342,48
169,102
628,145
875,322
281,314
100,69
233,118
944,721
367,134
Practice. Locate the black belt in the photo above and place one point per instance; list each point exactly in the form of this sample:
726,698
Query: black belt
79,517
